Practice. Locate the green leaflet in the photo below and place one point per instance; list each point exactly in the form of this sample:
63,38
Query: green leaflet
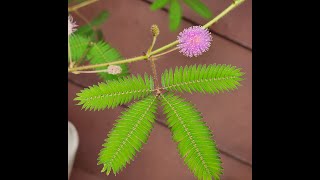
116,92
78,46
175,14
126,138
194,138
158,4
199,8
102,52
205,79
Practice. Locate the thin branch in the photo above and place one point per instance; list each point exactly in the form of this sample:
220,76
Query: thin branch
152,45
81,5
235,4
130,60
89,72
166,52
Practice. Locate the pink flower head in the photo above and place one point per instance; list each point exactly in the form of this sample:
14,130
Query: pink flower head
194,41
71,25
112,69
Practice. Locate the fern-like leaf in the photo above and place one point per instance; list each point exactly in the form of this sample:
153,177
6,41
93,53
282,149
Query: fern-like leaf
131,131
114,93
194,137
78,46
205,79
102,52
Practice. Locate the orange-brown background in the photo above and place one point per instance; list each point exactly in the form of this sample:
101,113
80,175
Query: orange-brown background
229,115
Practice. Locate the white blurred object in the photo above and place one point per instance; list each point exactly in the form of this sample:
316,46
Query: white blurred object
73,142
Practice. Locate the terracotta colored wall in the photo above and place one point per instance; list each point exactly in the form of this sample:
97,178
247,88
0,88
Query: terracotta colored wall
228,114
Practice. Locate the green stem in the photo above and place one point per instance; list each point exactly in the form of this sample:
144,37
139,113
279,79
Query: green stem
81,5
166,52
223,13
168,46
130,60
164,48
152,45
88,72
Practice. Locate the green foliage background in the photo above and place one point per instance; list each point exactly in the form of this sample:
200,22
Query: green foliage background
175,10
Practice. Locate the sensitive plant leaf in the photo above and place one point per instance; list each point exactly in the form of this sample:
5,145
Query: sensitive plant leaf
175,15
205,79
158,4
199,8
78,46
116,92
102,52
194,138
87,30
130,132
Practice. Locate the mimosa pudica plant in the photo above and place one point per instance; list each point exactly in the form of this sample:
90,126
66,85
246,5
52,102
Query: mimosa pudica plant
133,127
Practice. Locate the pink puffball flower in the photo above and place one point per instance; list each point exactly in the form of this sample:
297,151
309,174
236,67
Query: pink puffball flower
112,69
71,25
194,41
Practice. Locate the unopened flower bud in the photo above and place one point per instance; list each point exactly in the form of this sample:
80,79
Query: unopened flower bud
155,30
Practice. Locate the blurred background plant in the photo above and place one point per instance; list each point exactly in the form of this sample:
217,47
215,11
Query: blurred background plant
175,10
